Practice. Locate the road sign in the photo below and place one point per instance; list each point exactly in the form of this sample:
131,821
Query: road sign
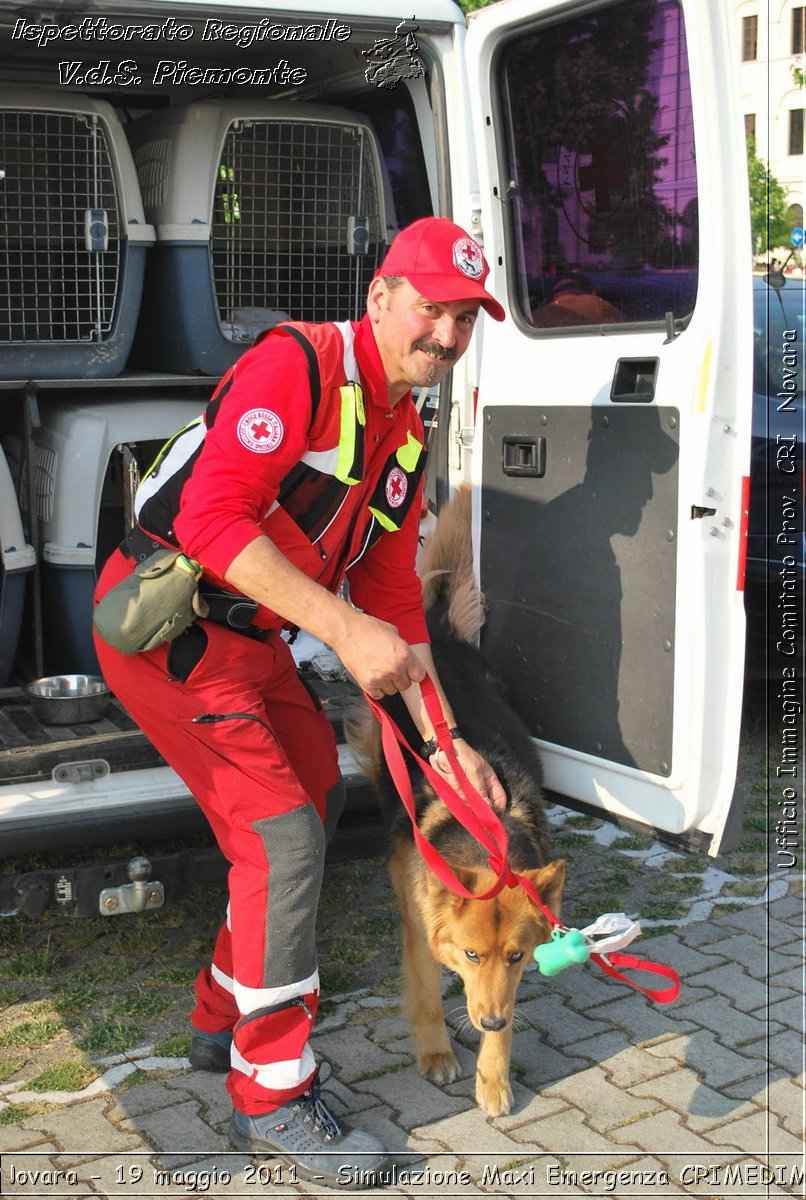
797,236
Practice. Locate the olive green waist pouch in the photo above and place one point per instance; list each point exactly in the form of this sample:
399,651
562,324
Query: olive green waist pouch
157,602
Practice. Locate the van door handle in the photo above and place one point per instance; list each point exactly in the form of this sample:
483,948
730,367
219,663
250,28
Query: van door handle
524,456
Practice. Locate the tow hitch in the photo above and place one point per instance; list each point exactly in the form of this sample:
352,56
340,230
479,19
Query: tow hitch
141,895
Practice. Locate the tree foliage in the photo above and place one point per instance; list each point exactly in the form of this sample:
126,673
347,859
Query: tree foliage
768,221
468,6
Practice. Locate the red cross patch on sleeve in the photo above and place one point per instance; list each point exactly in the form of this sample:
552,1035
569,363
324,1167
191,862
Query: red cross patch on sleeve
260,430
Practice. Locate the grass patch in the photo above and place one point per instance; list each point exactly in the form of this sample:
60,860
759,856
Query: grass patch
583,821
390,1069
657,930
570,839
612,881
9,1067
353,874
745,887
135,1079
110,1037
683,885
630,843
34,963
346,952
72,999
76,936
181,974
199,949
749,864
376,925
728,908
9,996
141,938
40,1031
105,970
15,1113
139,1005
334,977
69,1075
753,844
588,910
177,1046
685,865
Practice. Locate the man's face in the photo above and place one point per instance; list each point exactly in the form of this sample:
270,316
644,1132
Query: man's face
419,340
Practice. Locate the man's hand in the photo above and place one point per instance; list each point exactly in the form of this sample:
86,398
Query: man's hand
377,657
478,771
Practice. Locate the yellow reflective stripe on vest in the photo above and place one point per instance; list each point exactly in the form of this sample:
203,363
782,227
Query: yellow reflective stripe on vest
383,519
350,461
409,455
407,458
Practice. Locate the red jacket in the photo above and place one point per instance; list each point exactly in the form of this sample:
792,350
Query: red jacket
258,458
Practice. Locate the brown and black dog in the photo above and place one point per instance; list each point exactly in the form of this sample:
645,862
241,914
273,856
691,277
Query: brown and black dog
487,942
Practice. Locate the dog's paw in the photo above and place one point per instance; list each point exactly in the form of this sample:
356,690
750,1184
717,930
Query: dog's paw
441,1067
494,1096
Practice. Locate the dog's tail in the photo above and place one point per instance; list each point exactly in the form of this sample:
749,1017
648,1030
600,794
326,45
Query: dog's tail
447,570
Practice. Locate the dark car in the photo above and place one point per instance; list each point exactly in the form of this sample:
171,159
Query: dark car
775,551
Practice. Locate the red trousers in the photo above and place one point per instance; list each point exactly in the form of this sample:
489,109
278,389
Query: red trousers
262,776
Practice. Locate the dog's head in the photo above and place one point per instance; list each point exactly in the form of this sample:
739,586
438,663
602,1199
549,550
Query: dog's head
489,942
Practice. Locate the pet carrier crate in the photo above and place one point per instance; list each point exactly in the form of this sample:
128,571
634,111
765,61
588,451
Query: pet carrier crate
264,211
17,559
88,457
72,240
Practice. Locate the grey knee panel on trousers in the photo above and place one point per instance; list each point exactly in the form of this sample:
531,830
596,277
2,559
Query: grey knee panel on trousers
295,852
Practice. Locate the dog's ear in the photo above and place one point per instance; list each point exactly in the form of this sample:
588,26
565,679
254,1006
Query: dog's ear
548,882
467,876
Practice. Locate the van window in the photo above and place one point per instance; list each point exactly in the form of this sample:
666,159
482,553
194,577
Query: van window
600,146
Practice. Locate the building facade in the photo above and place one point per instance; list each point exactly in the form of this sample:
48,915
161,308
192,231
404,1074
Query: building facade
772,62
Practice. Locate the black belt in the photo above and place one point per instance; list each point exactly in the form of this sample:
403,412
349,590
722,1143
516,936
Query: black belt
234,612
139,546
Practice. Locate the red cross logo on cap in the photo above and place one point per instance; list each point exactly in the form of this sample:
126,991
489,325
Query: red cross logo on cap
260,430
467,256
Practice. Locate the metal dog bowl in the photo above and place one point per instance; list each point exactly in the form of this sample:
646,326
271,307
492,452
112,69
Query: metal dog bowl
68,699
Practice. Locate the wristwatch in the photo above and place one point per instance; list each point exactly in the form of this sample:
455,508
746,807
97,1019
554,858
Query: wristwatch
430,747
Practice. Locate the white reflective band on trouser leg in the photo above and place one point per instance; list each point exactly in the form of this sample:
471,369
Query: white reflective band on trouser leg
249,999
277,1076
224,980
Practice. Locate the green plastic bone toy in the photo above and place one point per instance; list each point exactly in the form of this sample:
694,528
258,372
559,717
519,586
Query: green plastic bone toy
565,948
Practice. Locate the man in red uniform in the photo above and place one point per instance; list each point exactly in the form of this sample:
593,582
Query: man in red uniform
305,469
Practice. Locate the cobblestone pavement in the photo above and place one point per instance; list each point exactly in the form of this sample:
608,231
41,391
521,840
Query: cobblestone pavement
614,1095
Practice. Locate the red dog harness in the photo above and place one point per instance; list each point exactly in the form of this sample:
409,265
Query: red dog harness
480,820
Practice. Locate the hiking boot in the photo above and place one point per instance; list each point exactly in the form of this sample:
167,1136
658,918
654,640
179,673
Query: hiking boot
210,1051
306,1135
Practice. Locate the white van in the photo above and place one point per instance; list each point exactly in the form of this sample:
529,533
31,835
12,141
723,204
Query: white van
596,150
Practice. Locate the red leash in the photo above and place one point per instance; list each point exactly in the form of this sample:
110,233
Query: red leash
483,823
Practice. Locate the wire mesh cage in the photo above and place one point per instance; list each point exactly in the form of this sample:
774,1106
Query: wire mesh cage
60,249
265,211
73,236
296,219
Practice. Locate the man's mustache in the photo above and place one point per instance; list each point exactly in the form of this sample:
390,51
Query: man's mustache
433,348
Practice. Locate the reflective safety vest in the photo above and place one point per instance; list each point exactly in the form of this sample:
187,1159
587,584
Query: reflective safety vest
313,492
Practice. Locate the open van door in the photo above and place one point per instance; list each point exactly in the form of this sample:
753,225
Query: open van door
612,431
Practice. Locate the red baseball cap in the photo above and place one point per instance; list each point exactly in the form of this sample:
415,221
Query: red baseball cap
442,262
